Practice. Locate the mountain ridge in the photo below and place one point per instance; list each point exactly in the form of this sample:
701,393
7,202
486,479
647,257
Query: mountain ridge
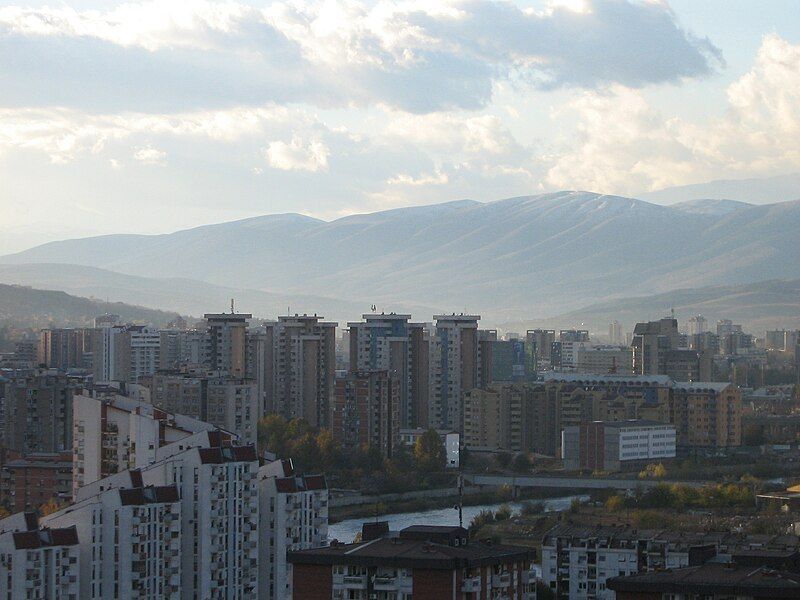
542,254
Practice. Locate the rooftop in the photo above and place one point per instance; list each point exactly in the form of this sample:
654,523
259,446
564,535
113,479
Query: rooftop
713,578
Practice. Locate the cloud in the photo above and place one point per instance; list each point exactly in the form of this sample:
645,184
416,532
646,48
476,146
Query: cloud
623,145
147,155
411,55
298,155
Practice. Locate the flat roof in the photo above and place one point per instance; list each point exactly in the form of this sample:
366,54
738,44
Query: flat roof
711,579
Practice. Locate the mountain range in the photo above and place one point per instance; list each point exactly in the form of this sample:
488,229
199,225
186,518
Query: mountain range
509,260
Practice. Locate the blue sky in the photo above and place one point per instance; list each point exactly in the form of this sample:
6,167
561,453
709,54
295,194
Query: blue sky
154,116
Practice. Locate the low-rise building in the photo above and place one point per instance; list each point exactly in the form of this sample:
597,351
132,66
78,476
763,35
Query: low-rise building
418,562
617,445
710,581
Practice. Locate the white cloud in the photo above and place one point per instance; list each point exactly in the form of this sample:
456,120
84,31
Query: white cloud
437,178
624,145
147,155
298,155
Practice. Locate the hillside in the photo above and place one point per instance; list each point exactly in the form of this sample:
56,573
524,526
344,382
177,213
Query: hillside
27,307
510,259
758,306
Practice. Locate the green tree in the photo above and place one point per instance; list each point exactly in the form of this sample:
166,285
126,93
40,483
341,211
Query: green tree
502,460
429,452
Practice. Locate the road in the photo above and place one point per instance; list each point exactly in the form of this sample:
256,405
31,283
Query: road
569,483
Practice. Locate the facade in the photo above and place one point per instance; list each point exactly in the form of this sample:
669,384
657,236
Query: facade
389,342
115,433
540,344
36,411
366,411
64,349
304,355
226,344
498,417
293,515
602,359
707,414
129,538
650,343
218,490
616,446
615,333
29,482
419,562
506,361
455,368
38,562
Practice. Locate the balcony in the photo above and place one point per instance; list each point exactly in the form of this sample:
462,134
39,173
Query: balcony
354,582
500,581
471,585
385,582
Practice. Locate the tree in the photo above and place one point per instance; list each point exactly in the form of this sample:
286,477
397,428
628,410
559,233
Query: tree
4,513
615,503
49,507
521,463
502,459
429,452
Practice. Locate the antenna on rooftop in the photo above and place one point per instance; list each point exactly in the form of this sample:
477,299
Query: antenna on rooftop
232,311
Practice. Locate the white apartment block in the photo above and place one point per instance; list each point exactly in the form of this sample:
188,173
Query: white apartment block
37,563
234,405
578,561
145,352
115,433
293,515
218,487
129,538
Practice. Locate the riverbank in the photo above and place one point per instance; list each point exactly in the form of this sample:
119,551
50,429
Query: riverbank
471,498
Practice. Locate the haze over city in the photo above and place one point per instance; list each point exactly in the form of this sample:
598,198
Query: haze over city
399,299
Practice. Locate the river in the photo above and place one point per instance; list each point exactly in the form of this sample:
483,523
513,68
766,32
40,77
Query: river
345,531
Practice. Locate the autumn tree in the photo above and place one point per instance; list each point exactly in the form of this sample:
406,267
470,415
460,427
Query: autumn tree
429,452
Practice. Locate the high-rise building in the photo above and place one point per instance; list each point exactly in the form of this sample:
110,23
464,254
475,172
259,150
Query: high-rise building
218,489
615,333
129,538
366,411
389,342
697,325
115,433
455,368
304,359
226,343
504,361
540,343
775,339
36,411
38,562
64,349
651,341
293,515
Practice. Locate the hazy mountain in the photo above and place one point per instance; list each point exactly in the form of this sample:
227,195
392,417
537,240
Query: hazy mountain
27,307
710,206
759,306
510,259
764,190
186,296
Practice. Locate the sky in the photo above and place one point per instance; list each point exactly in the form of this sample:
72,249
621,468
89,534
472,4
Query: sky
154,116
